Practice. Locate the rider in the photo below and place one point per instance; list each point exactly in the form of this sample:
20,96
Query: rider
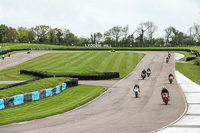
164,90
136,85
171,75
144,72
149,70
167,58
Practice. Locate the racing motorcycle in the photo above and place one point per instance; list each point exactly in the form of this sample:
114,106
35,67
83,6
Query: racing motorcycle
171,79
143,75
165,98
169,55
137,92
167,60
148,73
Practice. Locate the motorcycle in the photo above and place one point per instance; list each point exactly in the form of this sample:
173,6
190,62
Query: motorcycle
143,75
165,98
170,80
167,60
169,55
137,92
148,73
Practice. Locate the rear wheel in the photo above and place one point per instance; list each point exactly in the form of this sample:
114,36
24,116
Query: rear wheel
136,94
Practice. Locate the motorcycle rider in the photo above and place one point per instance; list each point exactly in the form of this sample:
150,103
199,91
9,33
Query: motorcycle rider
171,75
148,70
169,54
144,72
136,85
167,59
164,90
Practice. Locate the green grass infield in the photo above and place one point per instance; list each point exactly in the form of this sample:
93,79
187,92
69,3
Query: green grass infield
76,63
32,86
67,100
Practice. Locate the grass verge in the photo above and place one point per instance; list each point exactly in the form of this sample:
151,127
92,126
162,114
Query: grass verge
191,71
2,85
32,86
65,101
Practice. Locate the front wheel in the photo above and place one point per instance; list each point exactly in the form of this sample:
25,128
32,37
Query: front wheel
166,101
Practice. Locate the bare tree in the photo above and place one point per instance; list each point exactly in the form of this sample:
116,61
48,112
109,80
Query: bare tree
98,37
168,31
140,31
197,32
151,28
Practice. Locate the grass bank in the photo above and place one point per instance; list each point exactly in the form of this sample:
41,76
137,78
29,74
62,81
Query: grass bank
32,86
190,70
76,63
65,101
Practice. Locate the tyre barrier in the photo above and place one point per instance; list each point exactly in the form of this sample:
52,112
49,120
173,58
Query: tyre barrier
190,58
103,76
21,83
33,96
197,62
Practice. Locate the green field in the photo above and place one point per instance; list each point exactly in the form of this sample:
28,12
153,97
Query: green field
189,70
32,86
76,63
67,100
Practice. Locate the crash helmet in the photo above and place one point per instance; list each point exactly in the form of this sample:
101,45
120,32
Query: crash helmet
163,87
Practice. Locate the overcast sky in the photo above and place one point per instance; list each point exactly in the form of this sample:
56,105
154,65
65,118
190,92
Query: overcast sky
83,17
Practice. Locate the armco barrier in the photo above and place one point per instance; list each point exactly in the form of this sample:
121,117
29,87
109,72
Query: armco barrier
102,76
23,98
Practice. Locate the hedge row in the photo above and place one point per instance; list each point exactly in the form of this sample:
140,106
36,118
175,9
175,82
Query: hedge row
21,83
103,76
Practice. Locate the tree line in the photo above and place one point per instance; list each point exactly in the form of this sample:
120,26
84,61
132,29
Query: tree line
117,36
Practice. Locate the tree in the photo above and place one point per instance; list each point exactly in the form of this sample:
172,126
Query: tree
22,34
168,32
125,35
41,33
99,37
69,38
196,29
58,35
3,32
93,38
140,31
151,28
11,35
31,35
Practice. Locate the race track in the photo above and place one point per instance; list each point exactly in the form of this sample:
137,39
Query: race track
117,110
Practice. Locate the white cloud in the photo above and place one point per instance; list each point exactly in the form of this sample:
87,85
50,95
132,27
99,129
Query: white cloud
83,17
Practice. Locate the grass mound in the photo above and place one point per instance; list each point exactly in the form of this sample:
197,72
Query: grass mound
65,101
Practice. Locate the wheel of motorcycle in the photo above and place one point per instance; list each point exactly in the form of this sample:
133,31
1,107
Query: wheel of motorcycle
166,102
136,94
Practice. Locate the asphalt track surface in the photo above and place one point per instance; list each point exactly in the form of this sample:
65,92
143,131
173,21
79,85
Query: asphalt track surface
117,110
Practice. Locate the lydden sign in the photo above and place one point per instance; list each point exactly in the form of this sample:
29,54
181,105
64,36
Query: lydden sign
97,45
